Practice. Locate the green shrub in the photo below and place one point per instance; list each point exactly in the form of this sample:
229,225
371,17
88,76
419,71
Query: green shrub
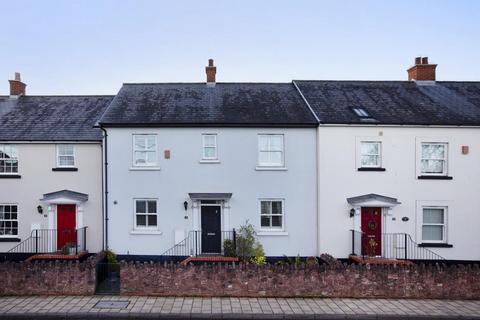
229,248
248,248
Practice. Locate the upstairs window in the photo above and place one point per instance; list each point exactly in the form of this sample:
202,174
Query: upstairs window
8,220
270,150
271,214
434,158
433,225
371,154
65,155
144,150
145,214
209,142
361,112
8,159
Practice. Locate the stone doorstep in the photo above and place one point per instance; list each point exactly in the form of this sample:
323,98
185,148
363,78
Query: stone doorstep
379,261
209,259
48,256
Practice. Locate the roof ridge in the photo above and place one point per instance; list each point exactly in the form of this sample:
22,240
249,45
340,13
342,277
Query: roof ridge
199,83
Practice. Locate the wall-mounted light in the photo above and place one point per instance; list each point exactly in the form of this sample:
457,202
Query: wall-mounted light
352,213
39,209
185,205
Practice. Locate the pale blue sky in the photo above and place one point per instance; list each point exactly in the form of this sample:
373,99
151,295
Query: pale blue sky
93,46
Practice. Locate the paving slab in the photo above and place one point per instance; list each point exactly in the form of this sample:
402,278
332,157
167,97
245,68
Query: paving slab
106,307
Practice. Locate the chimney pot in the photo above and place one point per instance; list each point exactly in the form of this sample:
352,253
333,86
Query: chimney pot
422,70
17,87
211,70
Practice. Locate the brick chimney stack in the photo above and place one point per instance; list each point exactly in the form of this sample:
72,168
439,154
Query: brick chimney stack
211,71
17,87
422,70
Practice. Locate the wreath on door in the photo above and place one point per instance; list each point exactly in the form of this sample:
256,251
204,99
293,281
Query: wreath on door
372,225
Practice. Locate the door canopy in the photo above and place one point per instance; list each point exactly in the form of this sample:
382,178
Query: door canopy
373,200
64,196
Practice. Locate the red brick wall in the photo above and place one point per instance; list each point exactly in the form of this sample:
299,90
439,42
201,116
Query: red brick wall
48,278
454,282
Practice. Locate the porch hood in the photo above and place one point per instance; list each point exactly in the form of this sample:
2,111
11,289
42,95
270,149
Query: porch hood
64,196
373,200
210,196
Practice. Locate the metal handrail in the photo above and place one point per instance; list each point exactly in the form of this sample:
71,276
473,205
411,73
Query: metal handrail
192,244
45,241
398,246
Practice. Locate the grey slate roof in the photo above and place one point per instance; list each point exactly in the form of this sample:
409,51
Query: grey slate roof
196,104
46,118
394,102
68,194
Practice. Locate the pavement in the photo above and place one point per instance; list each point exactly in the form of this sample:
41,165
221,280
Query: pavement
123,307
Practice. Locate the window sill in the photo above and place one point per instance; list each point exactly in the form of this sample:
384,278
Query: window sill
64,169
10,176
260,168
436,245
209,161
146,232
371,169
272,233
434,178
10,239
144,169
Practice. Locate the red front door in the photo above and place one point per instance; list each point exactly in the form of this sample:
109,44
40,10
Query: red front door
65,225
372,231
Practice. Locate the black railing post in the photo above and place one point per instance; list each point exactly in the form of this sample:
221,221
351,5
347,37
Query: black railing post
76,241
234,240
353,242
85,239
196,244
406,256
36,241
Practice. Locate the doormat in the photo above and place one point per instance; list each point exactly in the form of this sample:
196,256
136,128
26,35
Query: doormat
112,304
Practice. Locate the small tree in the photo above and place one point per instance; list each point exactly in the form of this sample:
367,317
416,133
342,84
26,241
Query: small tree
248,248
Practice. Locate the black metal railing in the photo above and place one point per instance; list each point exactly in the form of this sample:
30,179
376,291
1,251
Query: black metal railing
398,246
198,242
66,241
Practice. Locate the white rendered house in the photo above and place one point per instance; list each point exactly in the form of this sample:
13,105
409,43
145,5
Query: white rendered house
399,165
50,172
189,163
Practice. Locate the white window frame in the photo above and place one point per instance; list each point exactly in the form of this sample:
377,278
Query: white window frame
271,229
266,164
144,228
58,156
10,159
147,164
445,159
444,224
17,220
204,146
379,165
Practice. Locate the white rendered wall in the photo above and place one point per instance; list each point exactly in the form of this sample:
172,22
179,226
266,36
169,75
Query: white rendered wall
339,179
236,173
37,178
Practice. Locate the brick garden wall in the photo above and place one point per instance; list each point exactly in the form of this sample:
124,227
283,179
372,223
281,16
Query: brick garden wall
49,278
417,281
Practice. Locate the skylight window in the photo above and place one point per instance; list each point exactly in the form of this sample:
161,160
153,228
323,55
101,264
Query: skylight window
361,112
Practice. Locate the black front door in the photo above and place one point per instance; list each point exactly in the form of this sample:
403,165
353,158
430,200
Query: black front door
211,230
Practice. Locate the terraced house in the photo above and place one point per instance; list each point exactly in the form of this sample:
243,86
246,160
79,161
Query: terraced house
50,173
356,169
190,162
398,166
